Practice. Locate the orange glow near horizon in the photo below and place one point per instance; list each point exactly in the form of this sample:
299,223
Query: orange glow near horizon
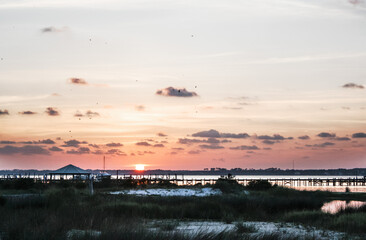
140,167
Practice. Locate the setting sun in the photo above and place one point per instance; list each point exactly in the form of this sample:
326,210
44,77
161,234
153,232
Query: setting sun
140,167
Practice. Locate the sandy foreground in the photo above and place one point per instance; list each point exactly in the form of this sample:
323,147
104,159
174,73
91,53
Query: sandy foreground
198,192
261,228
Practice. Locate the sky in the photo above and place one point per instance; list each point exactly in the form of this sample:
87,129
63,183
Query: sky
185,84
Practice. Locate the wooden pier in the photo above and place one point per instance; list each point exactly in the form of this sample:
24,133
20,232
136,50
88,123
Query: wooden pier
285,182
182,181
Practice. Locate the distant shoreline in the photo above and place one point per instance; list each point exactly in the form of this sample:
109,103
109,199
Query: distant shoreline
252,172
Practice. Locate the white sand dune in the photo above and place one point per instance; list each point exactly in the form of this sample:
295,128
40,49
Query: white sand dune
198,192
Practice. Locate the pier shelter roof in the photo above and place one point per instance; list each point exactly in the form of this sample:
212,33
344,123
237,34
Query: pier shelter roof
70,170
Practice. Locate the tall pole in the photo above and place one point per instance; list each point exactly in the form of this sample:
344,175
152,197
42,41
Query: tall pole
104,163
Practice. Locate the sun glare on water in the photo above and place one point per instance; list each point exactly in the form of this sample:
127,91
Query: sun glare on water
140,167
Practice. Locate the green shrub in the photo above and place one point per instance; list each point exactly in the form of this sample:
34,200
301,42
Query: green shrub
259,185
17,183
228,185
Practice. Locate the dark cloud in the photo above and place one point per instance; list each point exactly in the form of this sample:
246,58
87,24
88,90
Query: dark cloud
268,142
160,134
145,152
175,92
140,108
52,111
46,141
27,113
245,147
91,114
116,152
78,81
326,135
188,141
212,141
78,114
342,139
322,145
114,144
55,149
7,142
274,137
25,150
146,144
205,146
194,152
81,150
159,145
353,85
305,137
88,114
53,29
215,134
192,141
93,145
4,112
173,153
73,143
359,135
267,148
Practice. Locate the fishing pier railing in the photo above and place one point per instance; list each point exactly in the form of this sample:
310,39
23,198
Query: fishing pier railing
190,181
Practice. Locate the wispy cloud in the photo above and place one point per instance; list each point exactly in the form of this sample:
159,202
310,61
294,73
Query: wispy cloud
24,150
160,134
322,145
140,108
27,113
194,152
245,147
81,150
53,29
212,146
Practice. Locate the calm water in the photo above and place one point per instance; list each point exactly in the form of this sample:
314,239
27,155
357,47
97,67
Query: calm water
247,176
335,206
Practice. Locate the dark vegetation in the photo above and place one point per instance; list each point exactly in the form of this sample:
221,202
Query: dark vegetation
50,211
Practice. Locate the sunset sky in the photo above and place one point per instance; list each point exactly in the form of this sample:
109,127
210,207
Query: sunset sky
184,84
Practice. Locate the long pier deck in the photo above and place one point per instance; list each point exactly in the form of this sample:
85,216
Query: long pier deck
182,181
